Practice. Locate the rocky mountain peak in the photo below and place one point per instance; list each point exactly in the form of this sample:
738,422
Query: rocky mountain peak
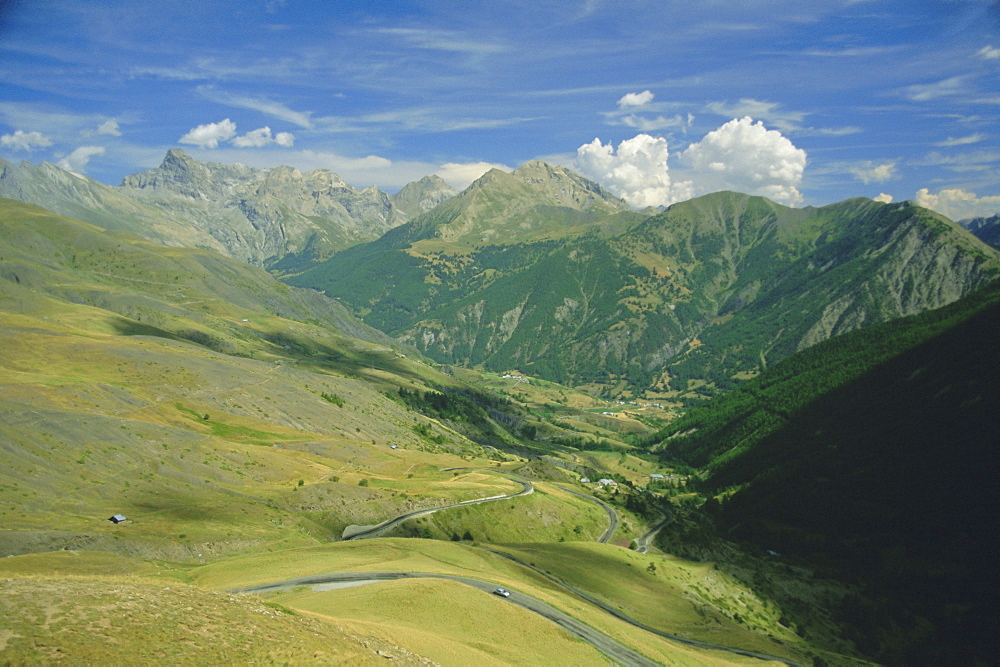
177,160
567,187
423,195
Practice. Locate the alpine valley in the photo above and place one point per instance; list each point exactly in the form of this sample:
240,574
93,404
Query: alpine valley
327,422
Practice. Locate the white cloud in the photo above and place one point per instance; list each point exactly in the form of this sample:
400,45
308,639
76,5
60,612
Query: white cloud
651,124
962,141
741,155
884,198
931,91
461,175
989,53
958,204
972,161
747,157
769,111
637,173
262,137
109,127
449,41
210,134
632,100
78,159
636,110
869,172
263,105
24,141
784,120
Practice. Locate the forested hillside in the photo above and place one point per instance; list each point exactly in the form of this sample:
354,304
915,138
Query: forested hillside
871,456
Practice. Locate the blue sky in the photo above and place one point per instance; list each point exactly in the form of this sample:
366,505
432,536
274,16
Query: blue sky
808,102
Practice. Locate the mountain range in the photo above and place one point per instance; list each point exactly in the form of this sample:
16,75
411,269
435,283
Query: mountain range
985,229
251,364
543,271
254,215
568,284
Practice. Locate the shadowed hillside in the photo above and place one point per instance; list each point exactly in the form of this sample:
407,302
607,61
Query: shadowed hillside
871,457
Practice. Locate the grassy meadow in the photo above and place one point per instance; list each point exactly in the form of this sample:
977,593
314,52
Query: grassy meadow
240,426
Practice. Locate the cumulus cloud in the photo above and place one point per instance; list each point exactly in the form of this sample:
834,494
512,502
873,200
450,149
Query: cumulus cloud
884,198
637,172
24,141
741,155
210,134
632,100
262,137
78,159
958,204
745,156
869,172
461,175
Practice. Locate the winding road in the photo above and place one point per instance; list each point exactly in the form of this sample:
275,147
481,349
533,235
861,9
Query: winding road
639,624
603,643
642,543
365,532
612,514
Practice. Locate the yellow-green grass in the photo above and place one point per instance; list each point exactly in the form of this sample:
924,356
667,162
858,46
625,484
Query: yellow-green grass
391,555
681,597
448,622
584,424
431,556
120,620
187,442
633,468
548,514
75,564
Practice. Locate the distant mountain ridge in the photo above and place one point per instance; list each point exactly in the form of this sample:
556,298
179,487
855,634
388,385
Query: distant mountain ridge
423,195
254,215
586,294
985,229
542,270
163,291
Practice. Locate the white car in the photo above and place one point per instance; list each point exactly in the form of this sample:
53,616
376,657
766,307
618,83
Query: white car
502,592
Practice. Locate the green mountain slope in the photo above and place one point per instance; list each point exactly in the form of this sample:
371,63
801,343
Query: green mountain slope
708,290
241,431
872,456
83,198
152,379
176,292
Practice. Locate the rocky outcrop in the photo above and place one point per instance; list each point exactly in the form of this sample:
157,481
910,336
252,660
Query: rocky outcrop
262,215
83,198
